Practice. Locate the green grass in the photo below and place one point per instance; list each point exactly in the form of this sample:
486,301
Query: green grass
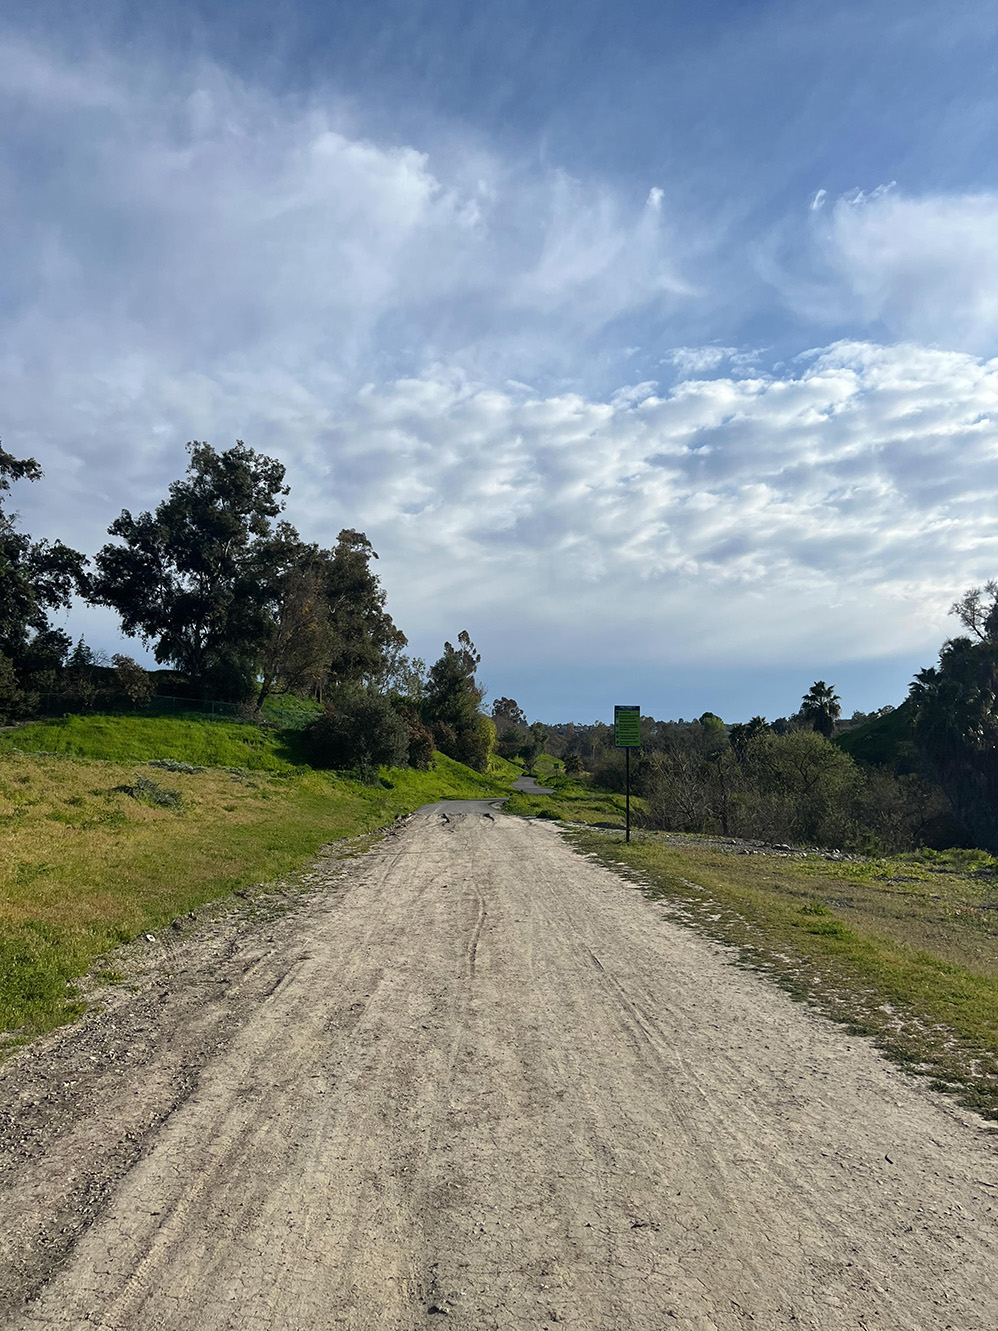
503,770
200,740
573,801
882,741
288,710
904,950
96,847
546,765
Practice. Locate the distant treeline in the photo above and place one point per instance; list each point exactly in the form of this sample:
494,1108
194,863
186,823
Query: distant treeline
228,595
924,773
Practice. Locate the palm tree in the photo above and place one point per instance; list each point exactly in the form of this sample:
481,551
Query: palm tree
820,707
955,712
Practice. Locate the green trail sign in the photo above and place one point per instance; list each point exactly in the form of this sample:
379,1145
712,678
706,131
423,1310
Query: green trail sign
627,736
627,727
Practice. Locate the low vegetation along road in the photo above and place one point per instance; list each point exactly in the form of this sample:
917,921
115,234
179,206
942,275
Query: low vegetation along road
473,1074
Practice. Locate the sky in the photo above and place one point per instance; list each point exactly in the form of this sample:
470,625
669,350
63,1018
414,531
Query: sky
655,344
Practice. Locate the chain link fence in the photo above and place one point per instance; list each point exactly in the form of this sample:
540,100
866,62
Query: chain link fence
66,704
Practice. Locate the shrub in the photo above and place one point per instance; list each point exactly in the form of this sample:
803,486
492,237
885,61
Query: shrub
359,727
420,752
476,744
151,792
444,738
15,703
134,682
175,765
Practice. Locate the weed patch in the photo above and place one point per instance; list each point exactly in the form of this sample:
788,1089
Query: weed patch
151,792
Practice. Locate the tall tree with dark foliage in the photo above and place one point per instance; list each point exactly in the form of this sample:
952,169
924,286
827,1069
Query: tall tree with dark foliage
36,577
955,707
193,578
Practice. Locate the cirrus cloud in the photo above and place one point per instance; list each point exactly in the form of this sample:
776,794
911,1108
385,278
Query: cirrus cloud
924,268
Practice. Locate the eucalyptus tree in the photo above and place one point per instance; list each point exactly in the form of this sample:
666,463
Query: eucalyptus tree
193,578
452,702
36,577
365,641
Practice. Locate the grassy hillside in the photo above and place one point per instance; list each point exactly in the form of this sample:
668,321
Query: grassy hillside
546,765
97,845
886,741
200,740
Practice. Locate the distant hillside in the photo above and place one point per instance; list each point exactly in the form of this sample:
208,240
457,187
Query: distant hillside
887,741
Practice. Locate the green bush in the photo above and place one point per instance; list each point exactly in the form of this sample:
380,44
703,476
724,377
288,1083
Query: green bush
359,727
15,703
134,682
420,751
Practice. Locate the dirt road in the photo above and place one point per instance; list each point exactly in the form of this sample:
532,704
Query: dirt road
482,1077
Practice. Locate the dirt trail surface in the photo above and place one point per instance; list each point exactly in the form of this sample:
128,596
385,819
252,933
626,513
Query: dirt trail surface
530,786
476,1075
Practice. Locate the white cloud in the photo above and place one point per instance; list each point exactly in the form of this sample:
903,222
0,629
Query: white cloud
837,511
411,332
924,268
696,360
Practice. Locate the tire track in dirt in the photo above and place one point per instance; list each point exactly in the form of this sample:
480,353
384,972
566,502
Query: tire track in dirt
486,1078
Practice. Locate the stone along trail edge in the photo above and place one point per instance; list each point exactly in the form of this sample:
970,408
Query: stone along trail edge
482,1077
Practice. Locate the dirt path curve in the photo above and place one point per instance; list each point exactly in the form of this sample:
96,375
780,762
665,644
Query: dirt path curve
530,786
486,1078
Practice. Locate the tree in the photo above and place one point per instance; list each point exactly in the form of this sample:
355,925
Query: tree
528,751
193,577
744,734
573,765
420,753
511,727
451,705
81,658
364,637
453,695
807,785
80,676
134,682
955,715
507,712
15,702
955,710
533,743
298,642
821,707
35,577
977,610
402,675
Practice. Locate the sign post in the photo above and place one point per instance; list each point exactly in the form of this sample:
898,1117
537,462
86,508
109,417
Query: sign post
627,736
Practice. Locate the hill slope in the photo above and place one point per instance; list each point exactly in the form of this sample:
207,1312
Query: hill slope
100,842
885,741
